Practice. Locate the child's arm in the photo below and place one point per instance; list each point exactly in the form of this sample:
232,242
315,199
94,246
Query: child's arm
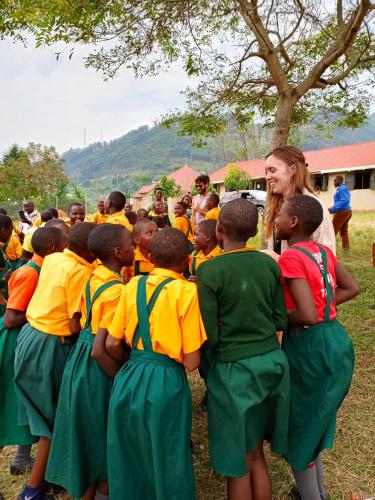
107,363
192,360
115,350
346,288
279,314
305,312
14,318
208,306
75,323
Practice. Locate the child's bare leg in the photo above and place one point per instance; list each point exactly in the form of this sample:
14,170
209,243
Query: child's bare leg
38,471
102,491
259,477
90,492
239,488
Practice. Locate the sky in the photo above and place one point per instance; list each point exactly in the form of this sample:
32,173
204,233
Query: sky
51,102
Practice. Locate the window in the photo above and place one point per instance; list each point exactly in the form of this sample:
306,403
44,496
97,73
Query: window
362,179
260,185
320,182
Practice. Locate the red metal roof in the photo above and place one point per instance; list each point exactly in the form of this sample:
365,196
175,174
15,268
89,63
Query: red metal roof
339,157
184,177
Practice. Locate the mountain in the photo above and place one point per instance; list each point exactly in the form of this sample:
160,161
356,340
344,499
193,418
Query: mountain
141,156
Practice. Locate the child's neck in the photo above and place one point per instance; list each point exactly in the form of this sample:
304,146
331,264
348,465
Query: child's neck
144,251
113,265
210,246
298,237
233,245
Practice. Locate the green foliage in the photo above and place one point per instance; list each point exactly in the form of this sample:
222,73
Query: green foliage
237,179
169,186
79,194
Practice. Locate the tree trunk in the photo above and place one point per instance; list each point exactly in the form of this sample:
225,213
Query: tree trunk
283,118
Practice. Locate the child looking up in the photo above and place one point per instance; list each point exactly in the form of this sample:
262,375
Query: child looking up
142,214
22,285
183,223
78,454
76,213
44,344
319,350
242,306
100,217
114,206
149,421
143,234
212,205
206,246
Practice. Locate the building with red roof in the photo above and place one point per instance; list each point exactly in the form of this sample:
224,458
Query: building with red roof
356,162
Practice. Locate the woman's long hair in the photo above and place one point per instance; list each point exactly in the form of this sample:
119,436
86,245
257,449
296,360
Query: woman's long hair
291,156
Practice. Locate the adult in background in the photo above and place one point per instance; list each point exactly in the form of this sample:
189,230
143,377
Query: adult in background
199,209
187,199
287,175
342,210
31,216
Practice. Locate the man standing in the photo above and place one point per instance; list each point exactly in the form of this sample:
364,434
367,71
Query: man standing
342,210
199,200
31,215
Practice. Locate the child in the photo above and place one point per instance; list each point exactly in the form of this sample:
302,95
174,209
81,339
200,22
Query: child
78,454
212,205
132,217
115,208
183,223
143,234
242,306
76,212
100,217
6,230
158,211
206,246
45,216
142,214
11,251
128,207
149,420
319,350
22,285
160,222
44,344
187,199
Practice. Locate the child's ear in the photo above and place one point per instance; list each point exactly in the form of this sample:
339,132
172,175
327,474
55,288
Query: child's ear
294,221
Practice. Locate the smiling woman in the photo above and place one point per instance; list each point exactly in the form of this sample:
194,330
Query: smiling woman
287,175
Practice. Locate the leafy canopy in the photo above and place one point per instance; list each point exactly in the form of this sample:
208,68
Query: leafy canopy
237,179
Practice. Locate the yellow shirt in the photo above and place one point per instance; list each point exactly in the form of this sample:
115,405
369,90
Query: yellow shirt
104,306
200,258
183,224
38,222
213,214
119,218
14,248
26,245
176,325
59,289
99,218
144,265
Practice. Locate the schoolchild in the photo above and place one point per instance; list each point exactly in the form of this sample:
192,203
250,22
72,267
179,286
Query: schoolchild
242,306
320,352
100,217
212,205
131,216
114,206
22,285
149,422
78,453
44,343
159,211
142,214
206,246
143,234
182,222
76,213
6,230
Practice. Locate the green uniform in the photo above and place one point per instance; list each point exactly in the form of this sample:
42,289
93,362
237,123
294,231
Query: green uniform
10,432
149,422
78,456
242,306
321,360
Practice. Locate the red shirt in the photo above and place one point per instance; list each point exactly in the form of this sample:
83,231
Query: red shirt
295,264
22,285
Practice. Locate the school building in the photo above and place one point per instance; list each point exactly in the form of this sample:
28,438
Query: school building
183,177
355,162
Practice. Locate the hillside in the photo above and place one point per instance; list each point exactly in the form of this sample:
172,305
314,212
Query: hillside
143,155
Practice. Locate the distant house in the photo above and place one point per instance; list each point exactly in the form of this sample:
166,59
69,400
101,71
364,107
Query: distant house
355,162
183,177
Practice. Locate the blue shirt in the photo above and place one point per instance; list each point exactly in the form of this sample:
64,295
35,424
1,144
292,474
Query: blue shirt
341,199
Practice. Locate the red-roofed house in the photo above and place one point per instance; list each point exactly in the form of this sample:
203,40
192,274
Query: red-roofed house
183,177
356,162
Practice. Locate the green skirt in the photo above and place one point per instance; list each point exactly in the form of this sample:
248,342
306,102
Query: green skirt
79,443
10,432
248,401
321,360
149,427
39,364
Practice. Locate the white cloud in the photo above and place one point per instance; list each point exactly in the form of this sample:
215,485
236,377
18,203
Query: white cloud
51,102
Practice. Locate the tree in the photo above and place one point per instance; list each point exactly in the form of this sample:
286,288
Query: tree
237,179
33,172
281,60
169,186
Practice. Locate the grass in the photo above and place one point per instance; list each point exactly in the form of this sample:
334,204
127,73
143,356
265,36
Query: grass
350,466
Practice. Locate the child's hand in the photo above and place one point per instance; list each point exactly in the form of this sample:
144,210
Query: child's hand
272,254
193,279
